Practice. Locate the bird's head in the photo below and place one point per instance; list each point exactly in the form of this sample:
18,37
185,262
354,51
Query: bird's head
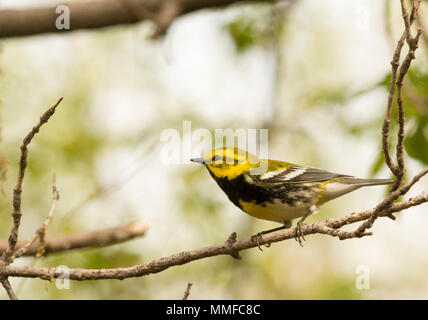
228,162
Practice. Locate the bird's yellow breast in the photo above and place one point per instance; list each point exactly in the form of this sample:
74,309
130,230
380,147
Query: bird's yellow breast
273,211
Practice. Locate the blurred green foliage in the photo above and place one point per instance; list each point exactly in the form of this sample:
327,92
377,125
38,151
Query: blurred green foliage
244,33
254,26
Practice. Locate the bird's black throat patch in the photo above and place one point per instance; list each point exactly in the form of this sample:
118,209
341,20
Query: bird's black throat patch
238,189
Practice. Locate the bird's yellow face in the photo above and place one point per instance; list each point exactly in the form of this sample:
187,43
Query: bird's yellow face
228,162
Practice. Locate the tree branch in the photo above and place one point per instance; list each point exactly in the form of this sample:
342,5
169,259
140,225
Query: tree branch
99,14
227,248
99,238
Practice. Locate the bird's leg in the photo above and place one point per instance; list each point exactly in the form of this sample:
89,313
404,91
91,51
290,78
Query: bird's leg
287,224
299,235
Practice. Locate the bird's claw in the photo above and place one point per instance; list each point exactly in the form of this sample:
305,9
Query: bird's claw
299,234
256,238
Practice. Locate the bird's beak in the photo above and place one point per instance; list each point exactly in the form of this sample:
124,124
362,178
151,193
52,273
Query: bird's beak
198,160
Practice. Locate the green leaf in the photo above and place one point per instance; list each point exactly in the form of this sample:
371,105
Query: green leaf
416,143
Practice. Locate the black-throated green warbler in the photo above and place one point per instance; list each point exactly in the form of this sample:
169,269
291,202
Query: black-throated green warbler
276,190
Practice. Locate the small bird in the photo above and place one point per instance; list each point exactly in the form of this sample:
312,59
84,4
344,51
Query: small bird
275,190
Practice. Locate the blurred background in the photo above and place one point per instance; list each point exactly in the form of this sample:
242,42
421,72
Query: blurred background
315,73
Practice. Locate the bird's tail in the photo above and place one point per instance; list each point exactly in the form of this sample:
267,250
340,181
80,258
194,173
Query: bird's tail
366,182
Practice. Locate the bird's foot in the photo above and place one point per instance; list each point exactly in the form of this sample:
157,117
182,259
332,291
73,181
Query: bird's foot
257,238
299,234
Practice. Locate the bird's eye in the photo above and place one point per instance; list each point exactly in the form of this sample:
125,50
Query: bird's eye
216,158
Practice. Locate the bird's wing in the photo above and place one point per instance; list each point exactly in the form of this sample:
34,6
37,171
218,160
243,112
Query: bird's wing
290,173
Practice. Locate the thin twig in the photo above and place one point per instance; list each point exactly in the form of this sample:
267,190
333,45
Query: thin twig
387,120
406,19
6,285
424,29
413,45
16,215
395,63
40,232
401,113
187,292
